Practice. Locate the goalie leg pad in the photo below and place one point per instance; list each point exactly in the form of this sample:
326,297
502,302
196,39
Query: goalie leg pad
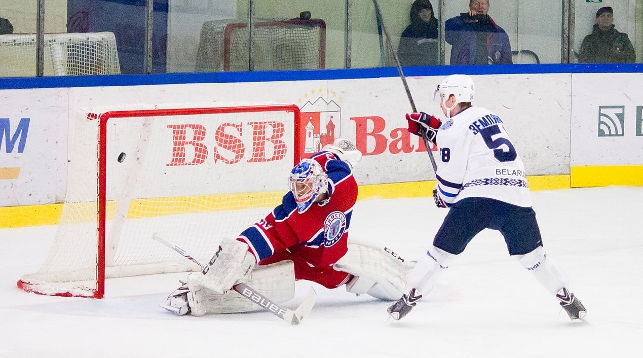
276,281
345,150
231,264
378,271
382,290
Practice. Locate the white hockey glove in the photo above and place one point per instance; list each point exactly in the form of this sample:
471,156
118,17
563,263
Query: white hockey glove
423,125
231,264
345,150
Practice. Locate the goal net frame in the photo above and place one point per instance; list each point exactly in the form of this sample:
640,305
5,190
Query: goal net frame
65,54
105,224
284,41
277,45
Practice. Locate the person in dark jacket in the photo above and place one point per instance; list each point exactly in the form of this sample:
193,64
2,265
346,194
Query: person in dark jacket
476,38
419,41
5,26
606,44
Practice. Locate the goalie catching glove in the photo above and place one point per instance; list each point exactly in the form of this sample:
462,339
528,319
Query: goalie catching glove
423,125
345,150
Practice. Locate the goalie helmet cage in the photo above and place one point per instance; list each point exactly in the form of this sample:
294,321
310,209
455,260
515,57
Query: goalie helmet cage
192,175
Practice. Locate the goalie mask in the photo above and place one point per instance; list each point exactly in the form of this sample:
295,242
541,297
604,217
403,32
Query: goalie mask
460,86
307,182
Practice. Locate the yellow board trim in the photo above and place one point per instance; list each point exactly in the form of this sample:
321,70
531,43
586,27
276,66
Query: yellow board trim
549,182
396,190
49,214
591,176
425,188
29,215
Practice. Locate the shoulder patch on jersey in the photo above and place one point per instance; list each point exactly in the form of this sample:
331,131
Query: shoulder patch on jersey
334,227
447,124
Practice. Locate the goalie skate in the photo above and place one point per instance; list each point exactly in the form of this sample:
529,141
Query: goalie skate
177,301
571,304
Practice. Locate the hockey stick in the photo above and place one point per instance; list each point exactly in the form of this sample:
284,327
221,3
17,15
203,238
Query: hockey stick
290,316
383,55
380,21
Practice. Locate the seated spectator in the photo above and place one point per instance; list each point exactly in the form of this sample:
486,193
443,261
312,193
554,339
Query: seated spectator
606,44
476,38
419,41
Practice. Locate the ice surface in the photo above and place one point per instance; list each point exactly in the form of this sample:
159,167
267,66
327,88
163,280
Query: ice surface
485,305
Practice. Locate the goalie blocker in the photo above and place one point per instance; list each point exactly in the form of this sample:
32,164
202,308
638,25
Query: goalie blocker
375,270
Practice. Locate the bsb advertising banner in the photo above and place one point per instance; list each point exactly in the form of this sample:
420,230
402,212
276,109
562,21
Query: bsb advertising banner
556,121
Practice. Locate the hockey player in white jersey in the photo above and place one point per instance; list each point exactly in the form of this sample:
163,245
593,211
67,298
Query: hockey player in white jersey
481,179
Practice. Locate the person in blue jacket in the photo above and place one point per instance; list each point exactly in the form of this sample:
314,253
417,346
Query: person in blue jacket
476,38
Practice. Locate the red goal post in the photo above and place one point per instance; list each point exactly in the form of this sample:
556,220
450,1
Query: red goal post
192,175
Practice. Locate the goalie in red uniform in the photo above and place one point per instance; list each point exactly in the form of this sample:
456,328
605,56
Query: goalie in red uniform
303,238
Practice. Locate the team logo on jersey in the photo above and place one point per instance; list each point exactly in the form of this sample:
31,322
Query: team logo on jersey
447,124
334,227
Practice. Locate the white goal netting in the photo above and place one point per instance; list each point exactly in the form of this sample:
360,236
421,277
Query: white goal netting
276,45
192,176
65,54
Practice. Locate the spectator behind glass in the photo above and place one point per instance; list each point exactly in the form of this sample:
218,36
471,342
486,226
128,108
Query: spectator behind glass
419,44
5,26
476,38
605,43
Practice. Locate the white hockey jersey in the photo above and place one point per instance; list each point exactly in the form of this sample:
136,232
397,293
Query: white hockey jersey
477,159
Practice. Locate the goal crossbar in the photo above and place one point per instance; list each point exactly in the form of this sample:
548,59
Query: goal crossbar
141,188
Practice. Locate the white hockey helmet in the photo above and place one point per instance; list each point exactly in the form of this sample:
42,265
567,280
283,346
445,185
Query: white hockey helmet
307,181
460,86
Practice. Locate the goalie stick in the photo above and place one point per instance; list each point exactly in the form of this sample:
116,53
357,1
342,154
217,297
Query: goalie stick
380,22
290,316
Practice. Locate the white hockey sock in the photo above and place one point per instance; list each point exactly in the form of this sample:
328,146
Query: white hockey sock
543,269
425,273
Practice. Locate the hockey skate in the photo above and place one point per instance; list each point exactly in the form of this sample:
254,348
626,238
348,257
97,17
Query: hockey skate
177,301
571,304
404,305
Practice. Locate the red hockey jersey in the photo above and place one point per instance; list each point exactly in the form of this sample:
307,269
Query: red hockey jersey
315,239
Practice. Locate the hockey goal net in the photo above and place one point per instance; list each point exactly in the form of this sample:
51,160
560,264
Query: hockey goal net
192,176
65,54
276,45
